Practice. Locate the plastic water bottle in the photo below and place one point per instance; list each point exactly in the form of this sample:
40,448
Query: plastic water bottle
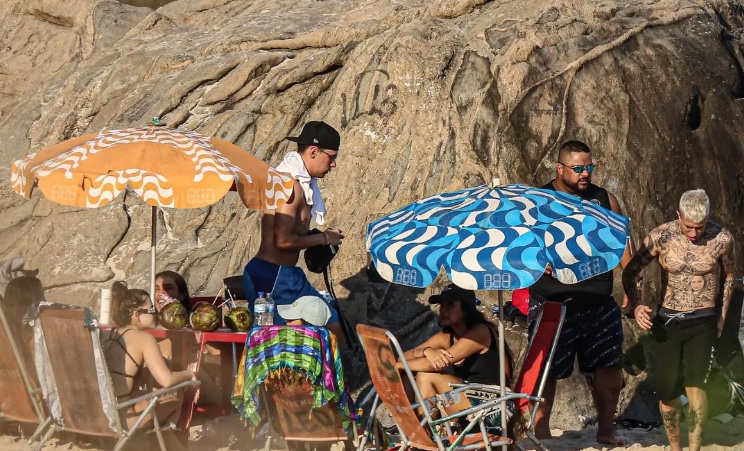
272,308
261,313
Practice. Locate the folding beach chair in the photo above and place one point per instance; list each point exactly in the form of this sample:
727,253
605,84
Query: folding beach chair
75,379
20,395
381,349
292,377
288,397
537,362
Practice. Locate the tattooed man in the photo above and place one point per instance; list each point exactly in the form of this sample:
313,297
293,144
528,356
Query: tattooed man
697,260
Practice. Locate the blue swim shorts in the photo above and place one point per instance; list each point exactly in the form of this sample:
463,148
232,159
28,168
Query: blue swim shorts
285,283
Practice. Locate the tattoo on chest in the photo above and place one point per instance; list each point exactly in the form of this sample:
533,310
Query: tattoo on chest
692,271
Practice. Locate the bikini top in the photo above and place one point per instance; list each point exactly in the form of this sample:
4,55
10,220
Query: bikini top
115,337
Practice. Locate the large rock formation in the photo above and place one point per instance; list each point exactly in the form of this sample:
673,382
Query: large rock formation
429,96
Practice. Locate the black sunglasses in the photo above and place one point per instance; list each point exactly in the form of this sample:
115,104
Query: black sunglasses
579,168
333,157
151,310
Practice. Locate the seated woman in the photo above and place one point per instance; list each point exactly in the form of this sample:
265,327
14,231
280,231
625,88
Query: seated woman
20,294
467,345
128,349
171,286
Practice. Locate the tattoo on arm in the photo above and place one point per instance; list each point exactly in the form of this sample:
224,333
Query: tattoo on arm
727,264
643,256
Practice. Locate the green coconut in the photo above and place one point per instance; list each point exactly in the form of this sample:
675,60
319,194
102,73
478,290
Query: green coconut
205,317
239,319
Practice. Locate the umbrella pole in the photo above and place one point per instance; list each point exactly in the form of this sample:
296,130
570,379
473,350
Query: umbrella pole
153,241
502,363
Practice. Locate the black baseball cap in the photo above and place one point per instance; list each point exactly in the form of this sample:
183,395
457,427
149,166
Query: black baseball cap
318,133
454,293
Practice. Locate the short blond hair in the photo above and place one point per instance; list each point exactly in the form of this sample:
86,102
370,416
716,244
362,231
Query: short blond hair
694,205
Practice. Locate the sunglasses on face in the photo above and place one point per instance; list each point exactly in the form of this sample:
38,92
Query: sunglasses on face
579,168
151,310
333,157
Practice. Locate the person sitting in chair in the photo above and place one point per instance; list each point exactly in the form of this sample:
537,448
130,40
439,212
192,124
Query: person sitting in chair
20,294
467,345
171,286
129,349
305,310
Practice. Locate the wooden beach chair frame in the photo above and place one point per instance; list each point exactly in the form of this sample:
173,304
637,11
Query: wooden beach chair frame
383,351
22,400
292,417
85,407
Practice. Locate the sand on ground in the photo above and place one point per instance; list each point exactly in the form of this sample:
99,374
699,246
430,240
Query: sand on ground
228,433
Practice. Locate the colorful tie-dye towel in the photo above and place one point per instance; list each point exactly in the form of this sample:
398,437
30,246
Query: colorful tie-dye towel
309,351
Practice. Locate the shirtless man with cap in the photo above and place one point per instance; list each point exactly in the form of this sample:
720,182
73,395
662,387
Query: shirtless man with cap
285,231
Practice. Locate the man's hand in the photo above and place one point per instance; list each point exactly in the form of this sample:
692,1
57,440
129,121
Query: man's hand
721,321
642,316
334,236
626,302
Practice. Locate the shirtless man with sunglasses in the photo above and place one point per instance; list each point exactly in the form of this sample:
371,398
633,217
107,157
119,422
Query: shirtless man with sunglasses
592,330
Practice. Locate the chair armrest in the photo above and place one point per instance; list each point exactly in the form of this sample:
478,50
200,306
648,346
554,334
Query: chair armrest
157,393
481,387
488,405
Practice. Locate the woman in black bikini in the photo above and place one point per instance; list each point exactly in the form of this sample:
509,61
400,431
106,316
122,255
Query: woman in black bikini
467,343
129,349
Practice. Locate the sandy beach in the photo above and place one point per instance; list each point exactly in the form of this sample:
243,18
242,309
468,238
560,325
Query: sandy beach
227,433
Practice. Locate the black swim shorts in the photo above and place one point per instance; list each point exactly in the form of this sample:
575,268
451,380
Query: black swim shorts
593,334
682,353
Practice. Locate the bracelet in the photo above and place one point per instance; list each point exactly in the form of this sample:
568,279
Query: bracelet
328,240
423,351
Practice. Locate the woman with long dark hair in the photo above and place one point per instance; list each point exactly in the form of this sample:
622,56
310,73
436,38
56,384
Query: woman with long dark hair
20,294
171,286
467,345
129,349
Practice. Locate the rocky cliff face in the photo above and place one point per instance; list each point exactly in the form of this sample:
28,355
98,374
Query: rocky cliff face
428,95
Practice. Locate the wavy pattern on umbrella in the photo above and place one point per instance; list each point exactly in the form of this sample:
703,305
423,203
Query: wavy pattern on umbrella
497,238
165,167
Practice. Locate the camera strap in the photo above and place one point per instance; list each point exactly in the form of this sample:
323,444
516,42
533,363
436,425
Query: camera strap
352,340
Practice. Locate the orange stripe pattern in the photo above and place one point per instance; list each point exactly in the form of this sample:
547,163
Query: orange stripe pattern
166,167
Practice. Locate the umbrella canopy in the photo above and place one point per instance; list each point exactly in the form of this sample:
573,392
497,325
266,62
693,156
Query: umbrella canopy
166,167
497,238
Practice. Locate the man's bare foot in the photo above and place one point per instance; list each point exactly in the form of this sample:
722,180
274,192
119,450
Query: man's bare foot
612,440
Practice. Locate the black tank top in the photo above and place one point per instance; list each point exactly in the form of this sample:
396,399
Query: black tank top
588,291
481,368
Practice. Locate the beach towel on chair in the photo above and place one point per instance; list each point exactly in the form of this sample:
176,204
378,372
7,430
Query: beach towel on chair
308,350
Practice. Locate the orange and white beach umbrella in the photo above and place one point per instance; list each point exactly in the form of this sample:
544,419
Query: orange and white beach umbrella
166,167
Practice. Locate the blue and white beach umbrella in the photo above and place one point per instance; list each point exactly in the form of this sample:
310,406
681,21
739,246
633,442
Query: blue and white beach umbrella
497,238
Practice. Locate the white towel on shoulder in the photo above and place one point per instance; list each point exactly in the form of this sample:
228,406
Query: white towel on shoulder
293,165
